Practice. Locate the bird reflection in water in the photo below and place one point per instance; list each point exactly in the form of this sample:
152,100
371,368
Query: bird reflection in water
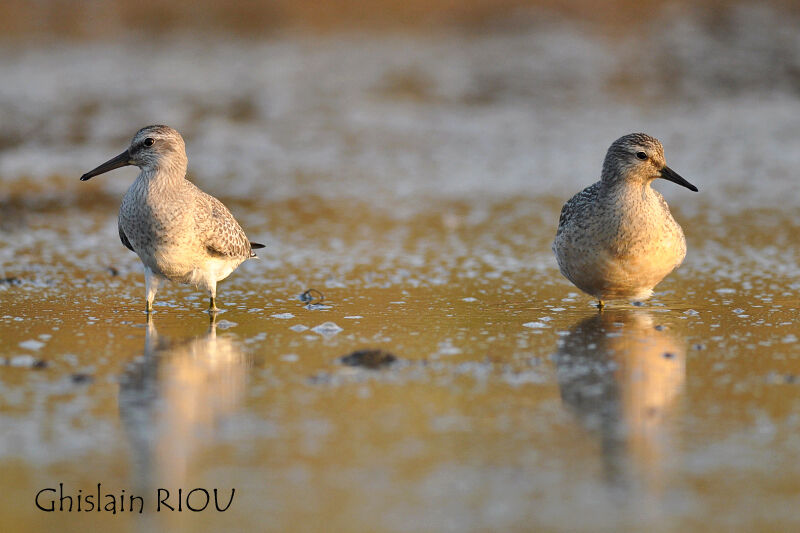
173,398
621,372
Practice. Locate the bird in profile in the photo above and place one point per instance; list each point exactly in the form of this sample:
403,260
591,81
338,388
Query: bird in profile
616,239
179,232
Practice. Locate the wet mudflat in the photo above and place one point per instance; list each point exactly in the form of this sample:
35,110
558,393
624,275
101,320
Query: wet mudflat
421,201
511,400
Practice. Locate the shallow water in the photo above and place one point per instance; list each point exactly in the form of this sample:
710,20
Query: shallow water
416,182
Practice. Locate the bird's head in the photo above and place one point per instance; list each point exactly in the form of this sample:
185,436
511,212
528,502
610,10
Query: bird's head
151,149
638,158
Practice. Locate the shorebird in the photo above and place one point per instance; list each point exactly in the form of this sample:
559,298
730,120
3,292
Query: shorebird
179,232
616,239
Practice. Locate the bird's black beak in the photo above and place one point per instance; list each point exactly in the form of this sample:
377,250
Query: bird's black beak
670,175
122,160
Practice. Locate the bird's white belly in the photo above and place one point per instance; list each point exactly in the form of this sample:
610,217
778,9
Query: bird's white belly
175,263
605,275
212,270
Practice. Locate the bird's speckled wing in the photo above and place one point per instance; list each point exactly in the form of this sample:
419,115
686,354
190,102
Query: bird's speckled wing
576,205
219,231
124,237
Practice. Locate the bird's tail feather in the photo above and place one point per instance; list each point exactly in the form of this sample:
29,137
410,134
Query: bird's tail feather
255,246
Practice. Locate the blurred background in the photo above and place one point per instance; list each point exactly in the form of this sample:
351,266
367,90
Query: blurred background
250,18
388,100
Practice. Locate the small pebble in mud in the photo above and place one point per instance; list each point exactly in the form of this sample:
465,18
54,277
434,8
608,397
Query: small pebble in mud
113,271
369,358
27,361
668,355
699,346
80,378
660,328
10,281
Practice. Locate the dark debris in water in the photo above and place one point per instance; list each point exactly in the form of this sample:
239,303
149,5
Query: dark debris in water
11,280
25,361
81,378
311,296
369,359
372,359
779,378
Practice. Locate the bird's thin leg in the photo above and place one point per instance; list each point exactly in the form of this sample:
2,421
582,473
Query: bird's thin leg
151,287
212,305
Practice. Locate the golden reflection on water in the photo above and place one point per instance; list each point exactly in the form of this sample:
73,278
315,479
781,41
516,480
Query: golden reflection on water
172,399
621,374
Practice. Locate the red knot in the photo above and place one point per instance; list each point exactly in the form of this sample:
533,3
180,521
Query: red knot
179,232
616,239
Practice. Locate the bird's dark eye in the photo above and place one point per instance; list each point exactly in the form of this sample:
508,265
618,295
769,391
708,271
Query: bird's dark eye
640,155
149,141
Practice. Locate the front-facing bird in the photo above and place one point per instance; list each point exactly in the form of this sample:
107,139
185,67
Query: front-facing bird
179,232
616,239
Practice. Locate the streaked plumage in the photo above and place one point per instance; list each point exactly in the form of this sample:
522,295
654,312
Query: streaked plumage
179,232
617,239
